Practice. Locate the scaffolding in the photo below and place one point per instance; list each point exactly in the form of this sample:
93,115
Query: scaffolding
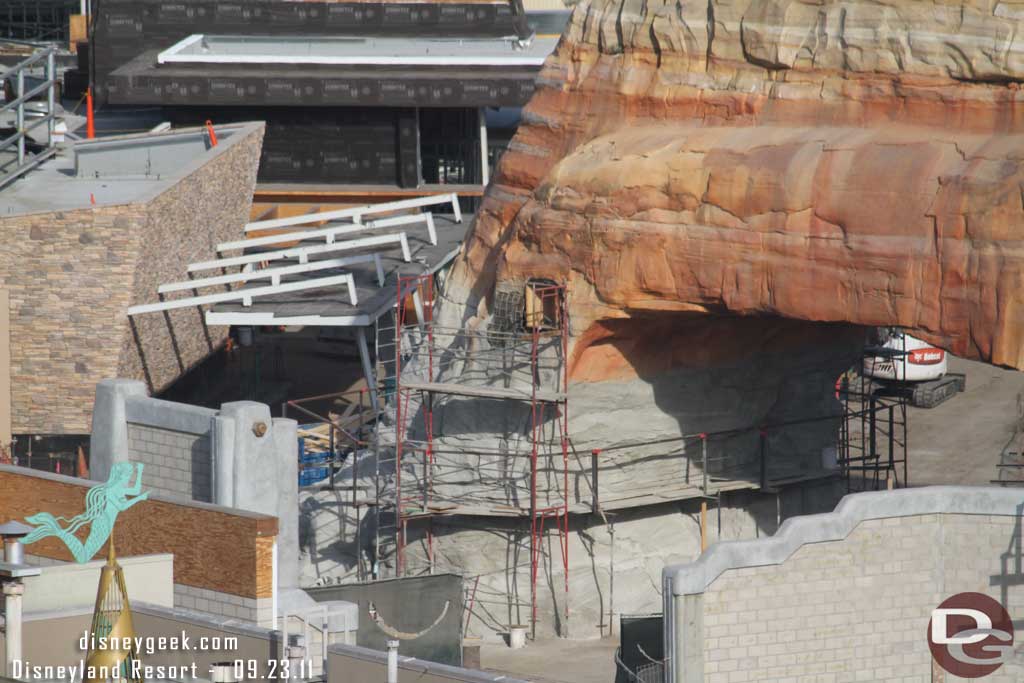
20,152
473,424
522,358
873,435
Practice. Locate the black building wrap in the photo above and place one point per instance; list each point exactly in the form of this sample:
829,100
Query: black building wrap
124,29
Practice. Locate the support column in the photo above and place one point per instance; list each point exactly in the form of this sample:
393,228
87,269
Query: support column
364,356
485,169
108,443
13,590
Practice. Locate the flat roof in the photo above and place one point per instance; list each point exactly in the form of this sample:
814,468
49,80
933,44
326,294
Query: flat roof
114,170
331,306
358,51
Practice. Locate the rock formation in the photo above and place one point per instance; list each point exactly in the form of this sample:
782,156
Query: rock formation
823,161
732,192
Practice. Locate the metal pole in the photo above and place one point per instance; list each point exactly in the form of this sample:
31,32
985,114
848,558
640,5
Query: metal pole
392,661
704,463
906,456
873,439
20,119
364,356
595,504
892,445
703,525
51,103
611,580
764,459
324,632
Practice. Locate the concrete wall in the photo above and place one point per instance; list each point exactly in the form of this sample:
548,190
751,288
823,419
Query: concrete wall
71,275
409,604
149,578
236,457
53,638
253,642
254,610
352,664
845,596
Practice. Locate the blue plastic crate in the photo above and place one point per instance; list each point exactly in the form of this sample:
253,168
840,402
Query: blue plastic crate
311,475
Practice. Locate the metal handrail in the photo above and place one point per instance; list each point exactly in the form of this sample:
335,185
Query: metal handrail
17,140
30,60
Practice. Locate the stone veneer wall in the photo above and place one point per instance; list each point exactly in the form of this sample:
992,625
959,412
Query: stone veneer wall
845,596
185,224
72,274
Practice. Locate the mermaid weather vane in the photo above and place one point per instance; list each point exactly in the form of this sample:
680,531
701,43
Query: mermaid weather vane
112,616
102,505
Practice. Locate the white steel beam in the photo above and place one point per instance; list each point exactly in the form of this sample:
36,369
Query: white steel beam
356,213
274,274
303,253
268,318
330,234
246,295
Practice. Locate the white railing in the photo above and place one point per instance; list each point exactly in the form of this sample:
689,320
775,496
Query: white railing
356,214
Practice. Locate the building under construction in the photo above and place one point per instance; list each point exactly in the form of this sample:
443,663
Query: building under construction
472,466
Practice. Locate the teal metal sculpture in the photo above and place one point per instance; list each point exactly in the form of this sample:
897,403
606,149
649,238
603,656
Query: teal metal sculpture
102,505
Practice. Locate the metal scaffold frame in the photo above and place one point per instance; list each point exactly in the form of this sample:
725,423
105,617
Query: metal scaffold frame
873,435
23,93
545,319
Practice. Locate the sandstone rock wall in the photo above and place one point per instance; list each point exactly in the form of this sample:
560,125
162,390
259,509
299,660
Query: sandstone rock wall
747,138
732,192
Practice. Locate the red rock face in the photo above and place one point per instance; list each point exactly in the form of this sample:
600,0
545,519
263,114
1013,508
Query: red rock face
835,162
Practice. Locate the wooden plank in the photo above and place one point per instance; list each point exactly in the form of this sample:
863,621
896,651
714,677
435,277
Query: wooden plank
78,31
482,392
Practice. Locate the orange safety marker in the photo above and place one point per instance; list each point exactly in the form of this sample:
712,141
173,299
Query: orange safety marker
211,133
90,122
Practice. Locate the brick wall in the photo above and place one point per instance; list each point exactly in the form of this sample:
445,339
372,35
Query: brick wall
72,274
177,463
193,532
851,609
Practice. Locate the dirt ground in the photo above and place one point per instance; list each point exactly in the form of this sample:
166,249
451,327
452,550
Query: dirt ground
554,660
959,441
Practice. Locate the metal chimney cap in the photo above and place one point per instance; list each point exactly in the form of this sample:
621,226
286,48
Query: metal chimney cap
14,529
